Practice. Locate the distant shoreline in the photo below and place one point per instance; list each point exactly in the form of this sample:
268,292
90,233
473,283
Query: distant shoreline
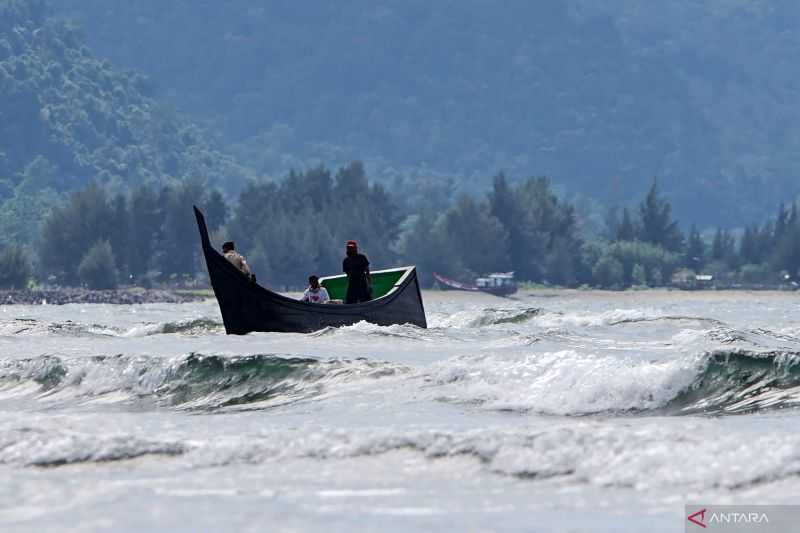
137,295
628,295
85,296
653,292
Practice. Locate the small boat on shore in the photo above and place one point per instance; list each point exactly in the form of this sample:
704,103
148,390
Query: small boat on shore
498,283
247,306
447,284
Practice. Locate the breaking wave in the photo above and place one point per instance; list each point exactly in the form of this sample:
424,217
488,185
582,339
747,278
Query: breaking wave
29,326
398,331
742,381
196,381
561,383
606,454
196,326
617,317
486,317
38,447
571,383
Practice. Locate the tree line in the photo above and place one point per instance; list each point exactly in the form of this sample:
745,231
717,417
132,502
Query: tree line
148,235
297,226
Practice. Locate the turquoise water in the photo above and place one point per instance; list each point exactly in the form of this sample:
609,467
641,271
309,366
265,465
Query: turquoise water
552,412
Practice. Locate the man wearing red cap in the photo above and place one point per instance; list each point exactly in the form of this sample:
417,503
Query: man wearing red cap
356,266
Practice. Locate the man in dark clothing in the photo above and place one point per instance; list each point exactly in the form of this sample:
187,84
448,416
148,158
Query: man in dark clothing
356,266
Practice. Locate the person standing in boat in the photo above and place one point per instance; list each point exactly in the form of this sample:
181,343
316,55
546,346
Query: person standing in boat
356,266
237,260
315,293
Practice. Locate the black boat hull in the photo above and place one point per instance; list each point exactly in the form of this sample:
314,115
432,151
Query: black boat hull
248,307
499,291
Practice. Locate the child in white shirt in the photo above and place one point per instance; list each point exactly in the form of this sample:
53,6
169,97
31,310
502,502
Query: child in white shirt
315,293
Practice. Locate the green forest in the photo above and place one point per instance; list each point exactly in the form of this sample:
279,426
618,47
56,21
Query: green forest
298,226
422,131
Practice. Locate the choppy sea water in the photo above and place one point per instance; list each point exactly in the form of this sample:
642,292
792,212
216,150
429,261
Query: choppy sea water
562,412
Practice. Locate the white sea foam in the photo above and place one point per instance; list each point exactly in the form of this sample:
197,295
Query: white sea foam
563,382
478,317
690,454
613,317
398,331
143,330
36,447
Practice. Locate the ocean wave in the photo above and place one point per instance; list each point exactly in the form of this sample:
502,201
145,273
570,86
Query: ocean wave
742,381
195,381
30,326
608,453
563,382
481,317
572,383
399,331
617,317
194,326
38,447
598,452
476,318
759,338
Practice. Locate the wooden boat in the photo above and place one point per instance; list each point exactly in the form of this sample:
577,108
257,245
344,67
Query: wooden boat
447,284
498,283
247,306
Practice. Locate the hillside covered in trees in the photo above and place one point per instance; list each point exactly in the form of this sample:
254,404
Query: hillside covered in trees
600,96
67,118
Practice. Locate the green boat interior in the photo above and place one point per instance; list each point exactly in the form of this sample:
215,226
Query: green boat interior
383,281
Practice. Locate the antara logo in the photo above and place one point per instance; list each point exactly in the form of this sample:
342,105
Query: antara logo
698,518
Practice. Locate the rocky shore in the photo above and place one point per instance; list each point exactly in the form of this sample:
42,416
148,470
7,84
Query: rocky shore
85,296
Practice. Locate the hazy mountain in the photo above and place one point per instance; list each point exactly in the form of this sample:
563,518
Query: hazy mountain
703,95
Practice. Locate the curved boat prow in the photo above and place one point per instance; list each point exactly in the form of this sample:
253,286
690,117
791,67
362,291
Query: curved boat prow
201,225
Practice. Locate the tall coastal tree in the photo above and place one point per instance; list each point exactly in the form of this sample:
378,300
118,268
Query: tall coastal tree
146,221
544,241
72,229
479,237
657,225
15,267
695,257
627,230
723,248
505,206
